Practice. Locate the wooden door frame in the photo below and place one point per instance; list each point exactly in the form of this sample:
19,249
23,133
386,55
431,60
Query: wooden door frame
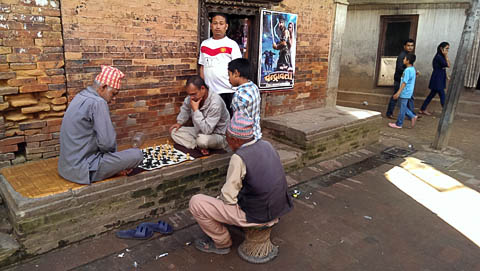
384,20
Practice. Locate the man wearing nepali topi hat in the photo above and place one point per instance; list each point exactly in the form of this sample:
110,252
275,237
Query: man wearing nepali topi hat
88,147
254,194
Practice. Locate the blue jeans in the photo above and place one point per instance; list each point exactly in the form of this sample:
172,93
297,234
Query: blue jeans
441,94
404,110
392,102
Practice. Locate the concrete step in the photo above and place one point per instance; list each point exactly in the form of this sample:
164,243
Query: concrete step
5,226
8,246
323,133
469,104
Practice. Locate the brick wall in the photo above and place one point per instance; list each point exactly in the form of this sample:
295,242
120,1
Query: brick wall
153,42
315,21
32,81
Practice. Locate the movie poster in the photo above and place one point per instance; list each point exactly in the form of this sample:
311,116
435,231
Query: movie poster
277,50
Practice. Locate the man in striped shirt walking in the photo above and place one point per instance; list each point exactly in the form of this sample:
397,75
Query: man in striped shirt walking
247,97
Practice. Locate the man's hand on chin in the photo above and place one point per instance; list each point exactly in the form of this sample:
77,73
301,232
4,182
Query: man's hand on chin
195,104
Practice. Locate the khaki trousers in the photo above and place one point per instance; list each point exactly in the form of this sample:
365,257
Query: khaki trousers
212,213
188,137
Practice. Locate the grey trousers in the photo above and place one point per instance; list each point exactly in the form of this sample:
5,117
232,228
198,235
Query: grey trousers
114,162
188,137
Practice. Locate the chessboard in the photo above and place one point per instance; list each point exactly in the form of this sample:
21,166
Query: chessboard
162,155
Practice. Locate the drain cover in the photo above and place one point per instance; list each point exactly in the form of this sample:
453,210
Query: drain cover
398,152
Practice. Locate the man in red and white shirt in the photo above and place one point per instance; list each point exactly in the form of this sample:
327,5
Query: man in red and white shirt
215,54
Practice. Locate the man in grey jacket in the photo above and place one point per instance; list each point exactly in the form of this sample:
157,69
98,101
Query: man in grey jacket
209,116
88,147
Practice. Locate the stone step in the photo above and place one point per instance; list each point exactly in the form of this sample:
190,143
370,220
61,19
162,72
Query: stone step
324,132
5,226
8,246
469,104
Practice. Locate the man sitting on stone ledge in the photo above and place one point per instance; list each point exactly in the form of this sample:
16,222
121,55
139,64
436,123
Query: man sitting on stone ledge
88,148
254,194
209,115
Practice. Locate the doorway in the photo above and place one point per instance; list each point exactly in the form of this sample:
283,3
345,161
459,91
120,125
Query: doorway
394,31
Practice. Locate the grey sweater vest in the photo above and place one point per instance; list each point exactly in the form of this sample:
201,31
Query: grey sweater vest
264,195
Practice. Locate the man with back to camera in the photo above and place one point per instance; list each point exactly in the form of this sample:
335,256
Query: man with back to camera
408,48
88,147
215,54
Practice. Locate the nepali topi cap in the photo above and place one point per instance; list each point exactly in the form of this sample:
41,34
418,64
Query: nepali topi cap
110,76
241,126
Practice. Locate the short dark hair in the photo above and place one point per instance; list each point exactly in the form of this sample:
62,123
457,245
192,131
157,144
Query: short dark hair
241,65
197,81
411,58
213,14
409,41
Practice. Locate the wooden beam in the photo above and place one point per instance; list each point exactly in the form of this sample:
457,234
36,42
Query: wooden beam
458,75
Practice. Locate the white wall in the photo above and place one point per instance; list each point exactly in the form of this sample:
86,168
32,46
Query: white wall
360,42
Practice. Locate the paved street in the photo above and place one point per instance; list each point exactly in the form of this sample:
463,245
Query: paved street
356,218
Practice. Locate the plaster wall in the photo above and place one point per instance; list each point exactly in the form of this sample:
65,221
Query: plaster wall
361,38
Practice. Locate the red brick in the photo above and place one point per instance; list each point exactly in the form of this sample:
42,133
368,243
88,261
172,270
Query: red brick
21,58
39,150
33,144
7,75
50,142
35,156
34,88
51,79
12,140
7,156
51,129
48,42
22,81
39,137
8,90
55,71
51,154
33,132
32,125
23,66
54,122
9,148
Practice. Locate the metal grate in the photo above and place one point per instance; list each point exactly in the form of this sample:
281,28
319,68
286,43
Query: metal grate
398,152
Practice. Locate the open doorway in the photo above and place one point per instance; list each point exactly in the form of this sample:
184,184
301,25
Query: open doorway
239,31
394,31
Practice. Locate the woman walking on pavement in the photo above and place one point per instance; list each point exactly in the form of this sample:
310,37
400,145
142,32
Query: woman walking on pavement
438,80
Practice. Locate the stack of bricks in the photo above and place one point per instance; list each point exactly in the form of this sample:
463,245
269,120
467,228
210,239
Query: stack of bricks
32,80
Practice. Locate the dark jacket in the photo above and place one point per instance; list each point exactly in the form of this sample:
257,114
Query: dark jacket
264,194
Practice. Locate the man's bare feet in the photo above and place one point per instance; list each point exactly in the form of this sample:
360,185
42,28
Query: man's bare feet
414,120
204,151
425,112
125,172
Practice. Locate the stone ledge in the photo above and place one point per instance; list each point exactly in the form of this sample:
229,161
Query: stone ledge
325,132
45,223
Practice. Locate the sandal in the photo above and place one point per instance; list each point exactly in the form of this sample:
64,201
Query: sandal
207,245
140,233
161,227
